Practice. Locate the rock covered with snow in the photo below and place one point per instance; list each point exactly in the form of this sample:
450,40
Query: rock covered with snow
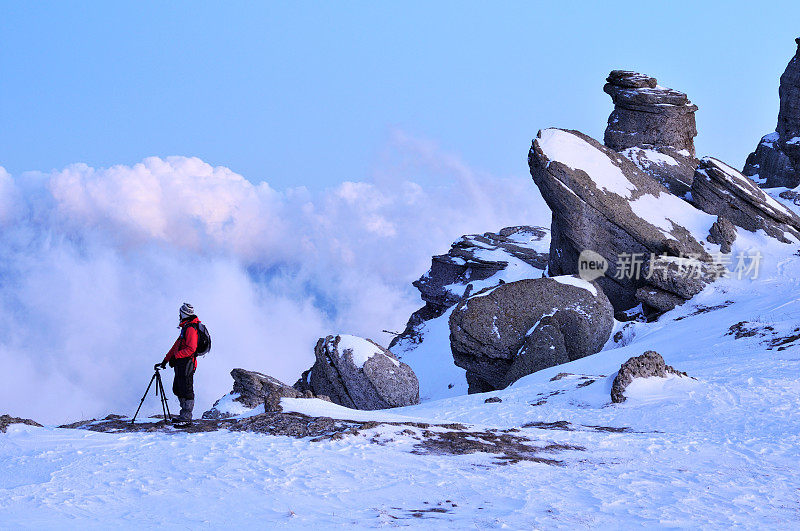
721,190
504,333
647,365
476,257
7,420
251,389
475,262
654,127
359,374
776,160
602,202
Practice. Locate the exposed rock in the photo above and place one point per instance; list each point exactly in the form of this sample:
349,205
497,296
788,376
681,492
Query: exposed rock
474,262
7,420
719,189
502,334
254,389
602,202
648,364
654,127
723,233
776,160
360,374
493,400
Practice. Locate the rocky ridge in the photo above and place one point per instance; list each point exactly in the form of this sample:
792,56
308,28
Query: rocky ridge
776,160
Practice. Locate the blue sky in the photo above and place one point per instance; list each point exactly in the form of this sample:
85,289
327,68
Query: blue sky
306,93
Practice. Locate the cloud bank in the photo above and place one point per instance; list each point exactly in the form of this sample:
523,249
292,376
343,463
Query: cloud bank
94,263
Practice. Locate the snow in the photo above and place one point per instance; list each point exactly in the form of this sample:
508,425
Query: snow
644,158
361,350
577,282
714,452
665,211
576,153
684,152
228,405
432,360
793,141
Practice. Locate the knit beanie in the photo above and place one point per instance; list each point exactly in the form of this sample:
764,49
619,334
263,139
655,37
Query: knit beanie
186,310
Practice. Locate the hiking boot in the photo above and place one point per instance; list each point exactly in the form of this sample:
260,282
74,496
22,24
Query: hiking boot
181,423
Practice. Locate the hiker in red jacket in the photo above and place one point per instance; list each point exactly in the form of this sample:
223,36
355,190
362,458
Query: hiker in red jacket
182,358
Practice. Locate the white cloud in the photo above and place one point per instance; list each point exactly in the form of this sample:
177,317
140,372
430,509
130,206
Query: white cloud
95,262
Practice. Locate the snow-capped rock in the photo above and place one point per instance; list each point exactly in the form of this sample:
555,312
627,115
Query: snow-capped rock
360,374
654,127
602,202
502,334
648,365
776,160
250,390
721,190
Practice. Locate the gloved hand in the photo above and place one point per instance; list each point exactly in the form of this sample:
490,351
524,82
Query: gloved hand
162,365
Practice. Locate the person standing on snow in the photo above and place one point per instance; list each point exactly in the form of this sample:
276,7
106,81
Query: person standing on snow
182,358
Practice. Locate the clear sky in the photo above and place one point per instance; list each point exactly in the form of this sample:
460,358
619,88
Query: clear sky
308,93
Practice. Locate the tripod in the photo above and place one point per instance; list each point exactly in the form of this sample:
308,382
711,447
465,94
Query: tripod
159,389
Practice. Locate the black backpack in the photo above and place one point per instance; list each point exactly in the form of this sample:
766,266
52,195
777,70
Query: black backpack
203,338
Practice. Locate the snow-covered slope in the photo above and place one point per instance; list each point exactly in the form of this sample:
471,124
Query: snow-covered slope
716,451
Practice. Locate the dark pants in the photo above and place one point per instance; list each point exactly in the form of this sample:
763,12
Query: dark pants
183,384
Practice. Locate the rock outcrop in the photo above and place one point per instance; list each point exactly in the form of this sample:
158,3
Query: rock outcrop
654,127
645,366
474,262
602,202
360,374
721,190
253,389
504,333
7,420
776,160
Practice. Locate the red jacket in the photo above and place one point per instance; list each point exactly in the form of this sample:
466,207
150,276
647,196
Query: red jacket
186,344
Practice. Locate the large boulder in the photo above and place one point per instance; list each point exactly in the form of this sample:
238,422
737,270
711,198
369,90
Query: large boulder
360,374
721,190
251,389
648,365
602,202
474,262
504,333
654,127
776,160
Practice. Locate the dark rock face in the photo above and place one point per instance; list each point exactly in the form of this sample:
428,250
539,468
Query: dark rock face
7,420
502,334
654,127
477,257
602,202
471,259
721,190
776,160
648,364
254,390
360,374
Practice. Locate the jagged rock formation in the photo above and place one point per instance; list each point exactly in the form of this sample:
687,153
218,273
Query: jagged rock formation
721,190
360,374
654,127
647,365
602,202
501,334
7,420
475,260
254,389
776,160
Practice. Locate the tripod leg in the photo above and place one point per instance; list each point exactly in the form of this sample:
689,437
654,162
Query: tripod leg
164,404
144,396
